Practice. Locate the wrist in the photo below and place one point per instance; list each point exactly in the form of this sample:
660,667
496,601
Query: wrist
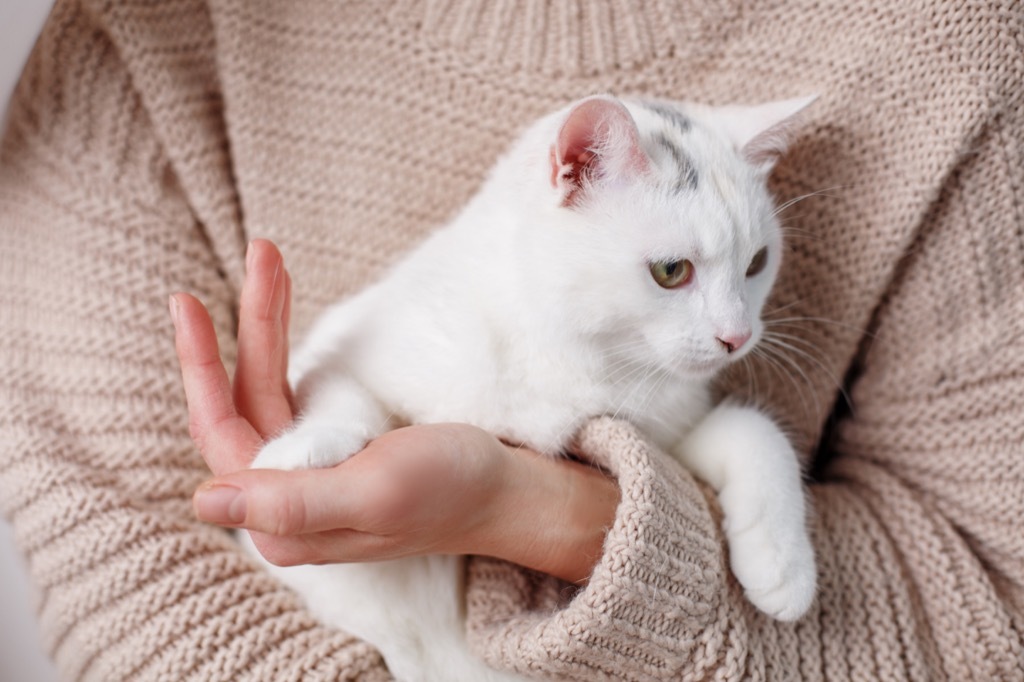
552,515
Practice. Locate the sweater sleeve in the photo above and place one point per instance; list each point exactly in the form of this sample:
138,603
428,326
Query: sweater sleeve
916,509
96,464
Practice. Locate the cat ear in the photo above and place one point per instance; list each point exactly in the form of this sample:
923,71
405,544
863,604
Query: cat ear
762,132
598,140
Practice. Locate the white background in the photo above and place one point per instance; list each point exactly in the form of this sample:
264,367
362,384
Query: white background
21,652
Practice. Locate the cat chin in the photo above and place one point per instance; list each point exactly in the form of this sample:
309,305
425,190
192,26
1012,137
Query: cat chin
700,371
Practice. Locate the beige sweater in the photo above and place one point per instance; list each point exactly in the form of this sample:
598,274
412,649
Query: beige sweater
148,141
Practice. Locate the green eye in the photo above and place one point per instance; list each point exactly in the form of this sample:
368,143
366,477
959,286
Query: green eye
673,274
758,262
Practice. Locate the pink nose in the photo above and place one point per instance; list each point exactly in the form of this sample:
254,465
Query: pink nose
733,342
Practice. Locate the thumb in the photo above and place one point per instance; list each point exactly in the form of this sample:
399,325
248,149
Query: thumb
280,503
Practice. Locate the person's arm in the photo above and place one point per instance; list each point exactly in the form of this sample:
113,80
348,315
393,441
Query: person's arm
439,488
96,464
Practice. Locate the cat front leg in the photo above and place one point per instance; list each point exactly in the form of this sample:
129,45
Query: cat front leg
339,419
753,468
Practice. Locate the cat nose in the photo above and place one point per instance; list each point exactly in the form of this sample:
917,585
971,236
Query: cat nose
734,341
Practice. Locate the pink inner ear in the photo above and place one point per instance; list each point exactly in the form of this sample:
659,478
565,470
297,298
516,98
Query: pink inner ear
598,139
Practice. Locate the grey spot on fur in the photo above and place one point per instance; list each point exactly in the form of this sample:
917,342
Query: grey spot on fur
670,114
686,172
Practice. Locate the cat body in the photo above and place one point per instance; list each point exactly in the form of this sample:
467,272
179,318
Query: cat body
617,257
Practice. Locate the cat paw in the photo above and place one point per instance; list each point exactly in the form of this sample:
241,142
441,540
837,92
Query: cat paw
770,552
308,448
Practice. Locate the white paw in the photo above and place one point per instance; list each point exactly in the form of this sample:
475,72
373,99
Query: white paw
309,447
770,550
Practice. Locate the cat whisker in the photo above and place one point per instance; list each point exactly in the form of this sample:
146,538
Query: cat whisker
773,339
796,233
383,425
626,371
648,369
630,345
643,370
790,337
808,347
801,323
652,392
751,377
777,364
614,361
614,370
779,309
623,354
795,200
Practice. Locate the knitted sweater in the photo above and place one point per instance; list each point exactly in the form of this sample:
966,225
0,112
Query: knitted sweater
148,142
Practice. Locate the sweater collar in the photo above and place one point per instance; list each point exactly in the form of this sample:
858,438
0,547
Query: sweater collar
565,38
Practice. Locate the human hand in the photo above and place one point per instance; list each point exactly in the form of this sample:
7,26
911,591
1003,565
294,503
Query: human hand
448,488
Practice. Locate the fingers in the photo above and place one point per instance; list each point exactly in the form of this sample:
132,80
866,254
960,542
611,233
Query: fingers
280,502
298,517
226,440
261,385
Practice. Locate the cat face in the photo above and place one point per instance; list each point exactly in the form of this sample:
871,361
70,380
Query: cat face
675,241
690,274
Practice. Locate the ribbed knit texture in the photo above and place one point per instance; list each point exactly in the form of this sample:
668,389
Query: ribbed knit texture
147,142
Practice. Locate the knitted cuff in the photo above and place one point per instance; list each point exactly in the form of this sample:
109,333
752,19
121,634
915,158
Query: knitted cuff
654,605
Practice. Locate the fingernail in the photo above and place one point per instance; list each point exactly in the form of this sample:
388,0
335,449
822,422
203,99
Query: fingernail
173,305
220,504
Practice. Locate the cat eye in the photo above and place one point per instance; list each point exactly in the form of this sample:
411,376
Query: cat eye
758,262
672,274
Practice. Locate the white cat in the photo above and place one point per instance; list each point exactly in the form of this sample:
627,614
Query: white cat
618,256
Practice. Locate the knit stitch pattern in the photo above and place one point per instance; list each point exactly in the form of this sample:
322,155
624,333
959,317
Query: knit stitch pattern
148,142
